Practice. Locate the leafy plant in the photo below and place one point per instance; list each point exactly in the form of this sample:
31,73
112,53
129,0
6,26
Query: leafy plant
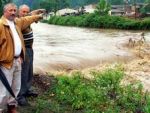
94,20
103,7
102,94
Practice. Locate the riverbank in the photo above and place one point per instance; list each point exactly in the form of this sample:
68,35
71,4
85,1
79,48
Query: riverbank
96,21
132,96
135,71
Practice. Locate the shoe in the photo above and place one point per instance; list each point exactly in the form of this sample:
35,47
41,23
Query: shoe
31,94
12,109
23,102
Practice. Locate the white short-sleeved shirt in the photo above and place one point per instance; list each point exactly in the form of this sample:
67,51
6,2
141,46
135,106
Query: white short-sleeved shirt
17,41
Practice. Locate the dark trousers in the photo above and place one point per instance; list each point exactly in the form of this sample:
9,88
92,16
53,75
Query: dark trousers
27,73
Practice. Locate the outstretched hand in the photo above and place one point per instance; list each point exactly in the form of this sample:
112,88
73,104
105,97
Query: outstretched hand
38,11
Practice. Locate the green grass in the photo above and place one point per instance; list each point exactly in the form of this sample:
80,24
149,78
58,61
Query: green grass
96,21
102,94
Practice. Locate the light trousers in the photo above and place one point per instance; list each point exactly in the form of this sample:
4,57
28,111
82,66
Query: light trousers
13,76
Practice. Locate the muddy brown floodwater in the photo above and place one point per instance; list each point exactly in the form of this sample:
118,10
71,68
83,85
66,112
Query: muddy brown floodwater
59,48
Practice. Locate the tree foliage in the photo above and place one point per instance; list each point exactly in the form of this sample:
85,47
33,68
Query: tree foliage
121,2
2,2
103,7
54,4
146,7
147,1
59,4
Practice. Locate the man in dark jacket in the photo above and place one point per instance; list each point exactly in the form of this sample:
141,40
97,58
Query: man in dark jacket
27,65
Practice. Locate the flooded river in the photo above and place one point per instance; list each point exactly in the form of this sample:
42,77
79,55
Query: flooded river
58,48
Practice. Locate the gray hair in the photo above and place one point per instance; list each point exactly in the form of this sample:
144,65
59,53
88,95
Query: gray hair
24,5
8,5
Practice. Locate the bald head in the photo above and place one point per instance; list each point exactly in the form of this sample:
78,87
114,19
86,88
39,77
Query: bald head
23,10
10,11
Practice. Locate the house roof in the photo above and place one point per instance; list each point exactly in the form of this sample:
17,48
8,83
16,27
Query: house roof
117,10
66,10
117,6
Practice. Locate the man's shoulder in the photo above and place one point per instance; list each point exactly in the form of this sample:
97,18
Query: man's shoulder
17,19
1,23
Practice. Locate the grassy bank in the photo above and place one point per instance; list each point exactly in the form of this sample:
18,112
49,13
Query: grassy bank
97,21
102,94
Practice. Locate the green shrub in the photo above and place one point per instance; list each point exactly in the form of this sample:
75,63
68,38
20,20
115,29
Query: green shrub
102,94
94,20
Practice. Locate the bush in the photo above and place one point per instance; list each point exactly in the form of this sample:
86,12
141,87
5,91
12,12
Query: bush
94,20
101,94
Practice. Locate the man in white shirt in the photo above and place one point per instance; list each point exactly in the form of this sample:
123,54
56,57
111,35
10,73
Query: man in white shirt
12,51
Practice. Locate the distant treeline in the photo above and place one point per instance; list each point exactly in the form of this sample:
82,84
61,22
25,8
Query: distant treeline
96,21
51,5
54,4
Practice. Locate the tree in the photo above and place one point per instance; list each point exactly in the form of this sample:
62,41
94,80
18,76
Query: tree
137,1
146,7
147,1
1,7
54,5
103,7
64,3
